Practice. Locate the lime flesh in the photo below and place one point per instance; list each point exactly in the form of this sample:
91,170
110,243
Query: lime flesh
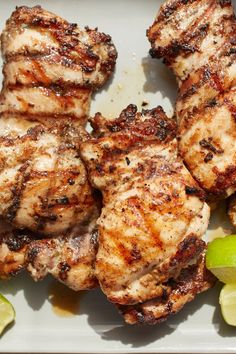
7,313
221,258
228,303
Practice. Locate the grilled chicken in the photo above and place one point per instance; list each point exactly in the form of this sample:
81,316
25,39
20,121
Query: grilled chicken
154,214
70,258
197,41
51,68
176,293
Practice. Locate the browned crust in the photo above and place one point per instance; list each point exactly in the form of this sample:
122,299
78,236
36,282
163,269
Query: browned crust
67,254
212,77
68,37
176,293
131,124
190,38
16,242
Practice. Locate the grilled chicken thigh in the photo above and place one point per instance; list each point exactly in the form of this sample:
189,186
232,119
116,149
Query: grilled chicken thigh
51,69
154,214
197,41
176,293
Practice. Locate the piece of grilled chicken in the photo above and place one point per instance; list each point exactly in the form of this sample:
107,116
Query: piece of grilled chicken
177,292
69,258
197,41
153,216
50,70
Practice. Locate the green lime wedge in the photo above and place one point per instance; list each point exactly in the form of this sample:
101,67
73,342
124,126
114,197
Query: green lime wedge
228,303
221,258
7,313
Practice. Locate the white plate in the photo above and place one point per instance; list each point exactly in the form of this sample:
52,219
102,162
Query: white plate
97,328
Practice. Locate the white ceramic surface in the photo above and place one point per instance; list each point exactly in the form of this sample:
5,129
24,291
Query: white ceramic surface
97,328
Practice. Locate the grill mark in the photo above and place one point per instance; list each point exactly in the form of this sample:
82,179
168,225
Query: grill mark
50,212
59,173
119,247
41,116
86,64
38,77
17,192
136,206
50,57
41,223
201,33
42,73
192,116
32,134
182,45
165,15
209,156
207,144
59,88
83,56
205,73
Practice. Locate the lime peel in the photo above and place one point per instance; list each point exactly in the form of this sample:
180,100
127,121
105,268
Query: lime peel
7,313
221,258
228,303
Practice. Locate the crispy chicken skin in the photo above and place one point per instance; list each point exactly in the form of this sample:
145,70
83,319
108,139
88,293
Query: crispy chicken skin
50,70
197,40
154,214
176,293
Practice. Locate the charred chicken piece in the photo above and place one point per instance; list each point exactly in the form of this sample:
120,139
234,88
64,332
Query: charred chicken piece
176,293
197,41
50,70
13,245
70,258
51,66
154,214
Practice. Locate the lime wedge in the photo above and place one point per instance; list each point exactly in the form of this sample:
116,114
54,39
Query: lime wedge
228,303
7,313
221,258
